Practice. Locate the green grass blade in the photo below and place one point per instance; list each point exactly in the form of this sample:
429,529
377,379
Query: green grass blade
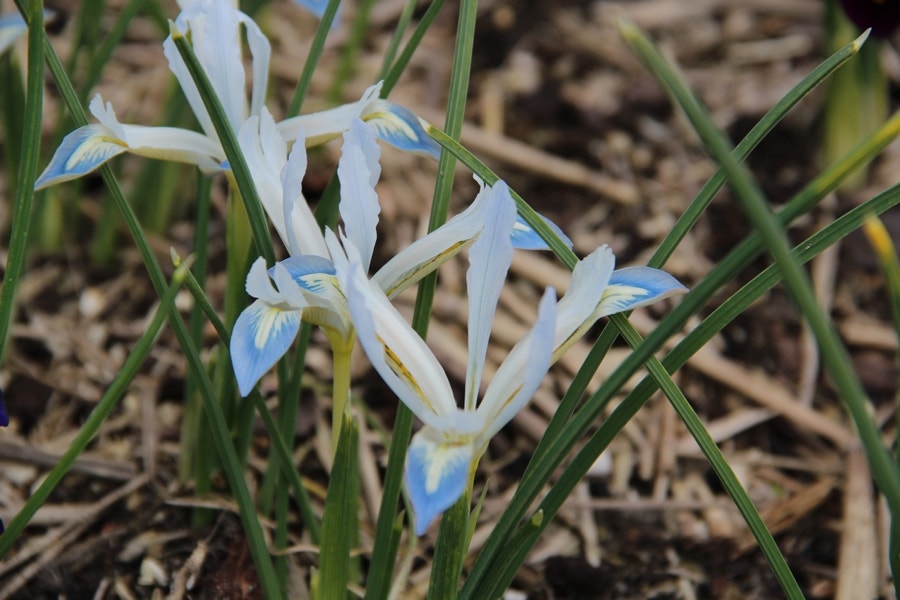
97,418
341,518
402,25
28,162
696,339
228,137
450,550
350,53
685,222
751,200
393,75
282,451
312,59
221,436
12,107
723,272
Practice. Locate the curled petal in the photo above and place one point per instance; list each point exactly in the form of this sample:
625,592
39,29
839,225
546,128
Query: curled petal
358,171
633,287
261,335
399,127
437,473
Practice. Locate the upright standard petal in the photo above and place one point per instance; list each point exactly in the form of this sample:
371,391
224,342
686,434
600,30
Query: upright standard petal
489,260
304,235
358,171
214,27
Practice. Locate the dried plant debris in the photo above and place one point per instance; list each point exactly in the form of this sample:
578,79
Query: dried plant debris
559,106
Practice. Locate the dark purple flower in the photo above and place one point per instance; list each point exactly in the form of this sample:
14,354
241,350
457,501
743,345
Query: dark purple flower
4,417
883,16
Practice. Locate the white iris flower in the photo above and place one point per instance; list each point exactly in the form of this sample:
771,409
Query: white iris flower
304,286
216,29
443,455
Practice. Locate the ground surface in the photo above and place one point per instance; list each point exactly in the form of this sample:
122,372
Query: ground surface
560,109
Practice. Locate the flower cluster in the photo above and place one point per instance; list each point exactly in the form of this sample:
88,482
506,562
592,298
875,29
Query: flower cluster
325,280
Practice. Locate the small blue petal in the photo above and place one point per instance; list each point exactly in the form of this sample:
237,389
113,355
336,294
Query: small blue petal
399,127
317,8
302,266
261,335
633,287
523,237
436,477
81,152
4,416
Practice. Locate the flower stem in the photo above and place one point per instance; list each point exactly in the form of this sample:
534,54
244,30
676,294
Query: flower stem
340,392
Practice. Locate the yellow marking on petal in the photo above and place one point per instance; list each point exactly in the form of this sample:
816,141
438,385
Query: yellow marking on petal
90,149
388,121
396,365
441,460
271,319
427,266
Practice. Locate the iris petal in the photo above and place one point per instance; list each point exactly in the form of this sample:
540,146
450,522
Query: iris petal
399,127
358,171
261,335
437,474
525,238
633,287
80,152
489,260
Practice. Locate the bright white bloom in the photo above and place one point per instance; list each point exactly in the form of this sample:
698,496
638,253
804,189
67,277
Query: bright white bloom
444,453
216,29
304,287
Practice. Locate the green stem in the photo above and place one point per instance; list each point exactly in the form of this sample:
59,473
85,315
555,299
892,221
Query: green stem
221,438
312,59
450,550
28,160
340,390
